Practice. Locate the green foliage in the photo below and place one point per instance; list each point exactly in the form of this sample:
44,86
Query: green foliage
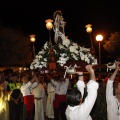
14,48
112,46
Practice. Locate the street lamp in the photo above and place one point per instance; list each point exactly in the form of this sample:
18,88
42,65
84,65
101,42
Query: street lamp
99,38
52,61
49,26
32,39
89,30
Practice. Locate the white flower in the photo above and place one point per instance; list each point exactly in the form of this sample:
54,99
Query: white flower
45,59
36,65
89,55
87,49
35,61
63,54
44,64
65,51
72,49
41,52
46,45
66,42
74,56
37,56
61,46
40,56
31,67
54,51
75,45
86,59
82,56
76,51
39,66
84,49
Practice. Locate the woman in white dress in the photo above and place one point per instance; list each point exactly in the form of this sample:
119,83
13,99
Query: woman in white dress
50,99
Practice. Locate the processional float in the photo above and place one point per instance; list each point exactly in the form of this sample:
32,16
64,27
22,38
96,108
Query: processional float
64,55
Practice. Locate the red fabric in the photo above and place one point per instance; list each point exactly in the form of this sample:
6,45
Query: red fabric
106,79
29,102
58,100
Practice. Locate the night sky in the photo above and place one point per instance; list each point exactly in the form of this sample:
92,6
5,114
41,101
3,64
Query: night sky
29,17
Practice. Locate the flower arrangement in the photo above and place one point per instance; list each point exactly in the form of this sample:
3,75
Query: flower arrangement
65,51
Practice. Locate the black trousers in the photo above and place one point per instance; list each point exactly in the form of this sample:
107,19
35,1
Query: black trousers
14,110
60,112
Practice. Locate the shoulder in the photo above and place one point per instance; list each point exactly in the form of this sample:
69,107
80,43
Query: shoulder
41,86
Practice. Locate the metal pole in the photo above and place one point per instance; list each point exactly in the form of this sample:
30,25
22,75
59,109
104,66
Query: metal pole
92,48
99,58
33,50
91,41
50,38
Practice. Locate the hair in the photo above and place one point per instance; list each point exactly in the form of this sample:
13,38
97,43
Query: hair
73,97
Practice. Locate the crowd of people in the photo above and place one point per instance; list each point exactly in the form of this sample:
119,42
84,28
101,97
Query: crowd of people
32,96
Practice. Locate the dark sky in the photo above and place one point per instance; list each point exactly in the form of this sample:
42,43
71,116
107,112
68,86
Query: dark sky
29,16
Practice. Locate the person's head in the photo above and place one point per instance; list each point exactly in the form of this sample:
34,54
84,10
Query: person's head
42,80
117,89
73,97
24,78
117,78
14,78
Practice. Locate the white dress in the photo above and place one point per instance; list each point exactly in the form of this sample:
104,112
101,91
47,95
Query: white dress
50,99
39,110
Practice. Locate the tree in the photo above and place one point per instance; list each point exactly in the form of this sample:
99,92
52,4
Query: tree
15,48
99,111
112,46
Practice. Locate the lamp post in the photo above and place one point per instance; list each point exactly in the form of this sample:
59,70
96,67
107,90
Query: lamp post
32,39
52,61
49,26
99,38
89,30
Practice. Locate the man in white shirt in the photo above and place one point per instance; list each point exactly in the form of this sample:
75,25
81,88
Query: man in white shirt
76,109
59,102
113,95
28,97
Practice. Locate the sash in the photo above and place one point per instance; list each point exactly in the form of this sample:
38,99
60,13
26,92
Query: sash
58,99
29,102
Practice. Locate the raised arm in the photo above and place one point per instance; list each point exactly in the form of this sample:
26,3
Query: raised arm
34,79
91,72
80,83
92,87
109,86
117,63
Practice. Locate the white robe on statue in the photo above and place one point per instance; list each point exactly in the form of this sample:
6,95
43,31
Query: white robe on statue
50,99
39,110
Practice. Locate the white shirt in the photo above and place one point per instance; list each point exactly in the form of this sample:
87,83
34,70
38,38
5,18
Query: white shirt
112,102
61,87
82,111
26,88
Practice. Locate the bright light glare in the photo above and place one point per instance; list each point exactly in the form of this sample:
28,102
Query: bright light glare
99,37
